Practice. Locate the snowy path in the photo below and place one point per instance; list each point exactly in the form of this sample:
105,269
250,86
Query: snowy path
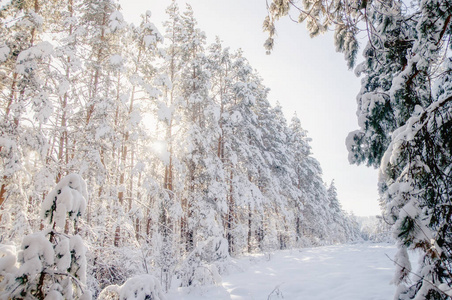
345,272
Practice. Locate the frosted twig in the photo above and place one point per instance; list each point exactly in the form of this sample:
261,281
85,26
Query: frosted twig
420,277
276,291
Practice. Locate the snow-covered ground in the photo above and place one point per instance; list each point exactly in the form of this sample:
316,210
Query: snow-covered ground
344,272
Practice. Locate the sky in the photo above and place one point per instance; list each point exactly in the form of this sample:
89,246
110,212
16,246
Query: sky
305,75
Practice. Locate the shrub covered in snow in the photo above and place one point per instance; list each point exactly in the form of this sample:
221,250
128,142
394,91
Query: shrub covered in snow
205,263
139,287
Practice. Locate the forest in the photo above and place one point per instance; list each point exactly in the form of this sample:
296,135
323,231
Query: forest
130,152
138,159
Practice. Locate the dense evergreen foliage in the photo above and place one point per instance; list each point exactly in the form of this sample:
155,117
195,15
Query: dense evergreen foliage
404,118
185,161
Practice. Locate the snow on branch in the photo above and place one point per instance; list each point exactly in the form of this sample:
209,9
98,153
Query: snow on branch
68,198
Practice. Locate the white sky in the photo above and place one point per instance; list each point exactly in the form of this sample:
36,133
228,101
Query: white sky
305,75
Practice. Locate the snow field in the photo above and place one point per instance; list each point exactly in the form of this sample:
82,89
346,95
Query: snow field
343,272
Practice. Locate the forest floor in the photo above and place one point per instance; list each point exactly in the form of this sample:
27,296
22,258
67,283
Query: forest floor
342,272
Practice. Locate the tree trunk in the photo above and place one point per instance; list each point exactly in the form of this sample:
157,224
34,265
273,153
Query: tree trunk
230,217
250,215
62,158
117,239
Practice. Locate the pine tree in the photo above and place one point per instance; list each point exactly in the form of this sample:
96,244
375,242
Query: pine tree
338,224
280,159
298,142
308,179
52,263
415,157
221,67
199,128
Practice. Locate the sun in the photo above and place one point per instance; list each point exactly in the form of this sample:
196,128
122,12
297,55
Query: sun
160,149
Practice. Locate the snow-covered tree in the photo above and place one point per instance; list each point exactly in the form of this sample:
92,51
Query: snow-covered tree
405,113
243,150
52,262
204,178
307,178
337,226
299,144
287,198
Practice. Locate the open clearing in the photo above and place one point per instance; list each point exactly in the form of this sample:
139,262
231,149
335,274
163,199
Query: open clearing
343,272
